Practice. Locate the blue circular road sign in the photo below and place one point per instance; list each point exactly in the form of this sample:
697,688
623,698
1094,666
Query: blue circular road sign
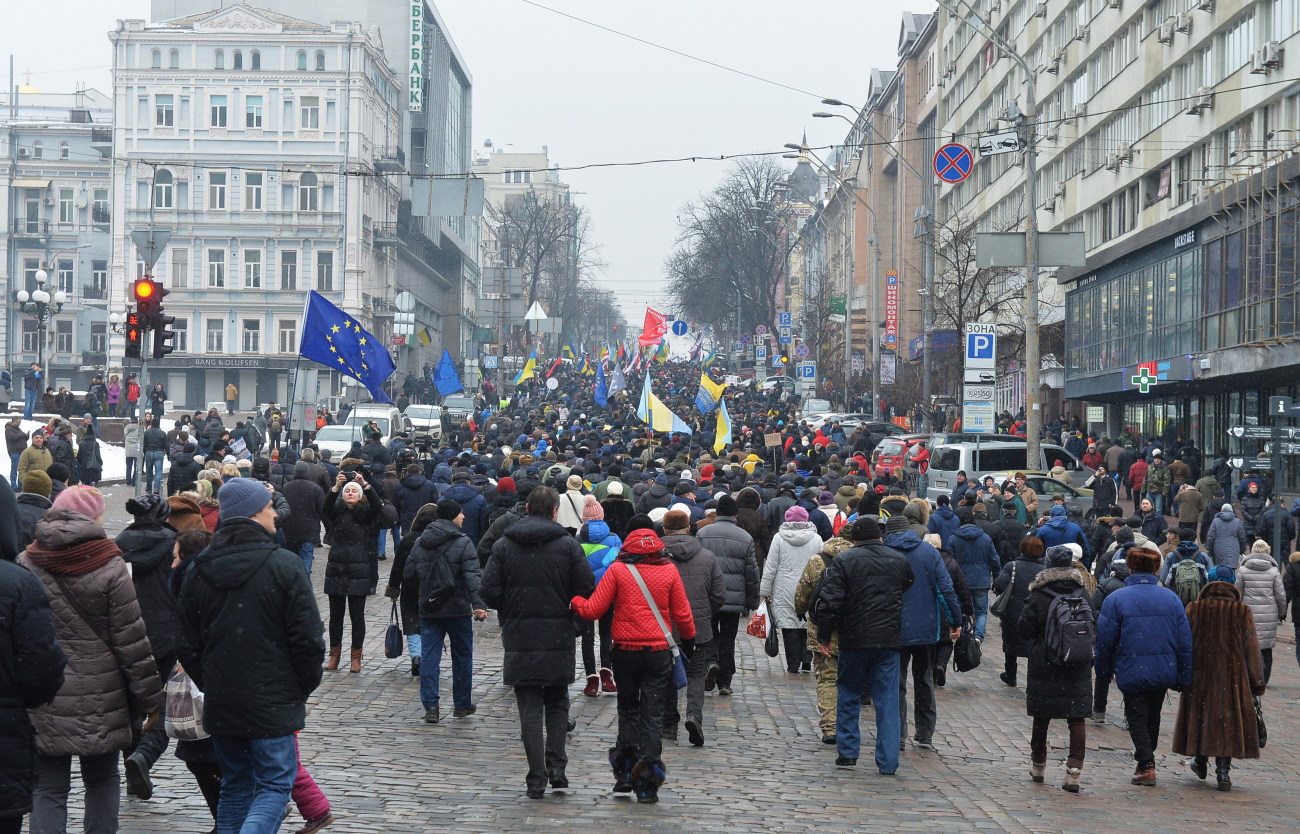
953,163
680,327
745,338
801,351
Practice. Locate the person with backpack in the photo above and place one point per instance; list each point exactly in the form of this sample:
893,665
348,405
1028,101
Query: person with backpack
1260,583
275,428
1185,568
1145,643
1060,624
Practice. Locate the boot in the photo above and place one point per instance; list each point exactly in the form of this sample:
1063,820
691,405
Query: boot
607,680
1145,775
1221,768
647,776
1037,771
355,666
620,761
415,666
1200,766
333,663
1071,782
592,689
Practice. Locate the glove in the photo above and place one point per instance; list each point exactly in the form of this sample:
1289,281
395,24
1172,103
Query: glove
687,646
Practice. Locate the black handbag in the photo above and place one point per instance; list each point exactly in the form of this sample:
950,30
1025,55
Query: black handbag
772,643
998,607
1259,722
966,651
393,636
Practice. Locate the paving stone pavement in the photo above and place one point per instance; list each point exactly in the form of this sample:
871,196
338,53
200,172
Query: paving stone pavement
764,766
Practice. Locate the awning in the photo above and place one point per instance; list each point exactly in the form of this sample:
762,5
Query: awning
29,183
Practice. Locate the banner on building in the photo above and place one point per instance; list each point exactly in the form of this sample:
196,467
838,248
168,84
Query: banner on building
888,369
891,310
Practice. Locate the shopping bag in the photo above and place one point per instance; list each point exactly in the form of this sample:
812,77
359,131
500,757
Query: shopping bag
184,709
772,643
393,636
758,623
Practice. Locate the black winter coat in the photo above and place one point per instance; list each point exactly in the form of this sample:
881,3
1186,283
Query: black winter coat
147,548
407,593
862,597
412,493
702,578
31,673
306,509
444,540
1052,690
353,567
1008,533
1025,571
30,509
734,550
618,512
250,633
535,571
184,472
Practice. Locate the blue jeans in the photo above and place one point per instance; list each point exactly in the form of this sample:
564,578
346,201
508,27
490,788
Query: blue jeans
383,538
13,472
130,468
29,403
415,646
432,633
877,669
306,551
1157,500
256,779
980,598
153,470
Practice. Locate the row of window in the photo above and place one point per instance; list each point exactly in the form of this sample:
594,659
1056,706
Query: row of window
236,59
214,341
309,112
307,195
65,278
38,150
251,266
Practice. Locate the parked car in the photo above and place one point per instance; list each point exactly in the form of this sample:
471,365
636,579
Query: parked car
457,408
426,421
339,438
1044,485
389,420
987,458
897,451
813,408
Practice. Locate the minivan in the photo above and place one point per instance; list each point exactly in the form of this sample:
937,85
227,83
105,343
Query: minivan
387,417
979,459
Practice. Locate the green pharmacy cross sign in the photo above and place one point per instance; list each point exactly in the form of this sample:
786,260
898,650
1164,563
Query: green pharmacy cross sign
1144,379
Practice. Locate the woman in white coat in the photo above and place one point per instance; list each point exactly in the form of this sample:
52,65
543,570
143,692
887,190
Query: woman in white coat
1260,583
793,545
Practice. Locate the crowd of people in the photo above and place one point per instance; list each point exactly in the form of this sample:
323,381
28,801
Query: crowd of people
623,559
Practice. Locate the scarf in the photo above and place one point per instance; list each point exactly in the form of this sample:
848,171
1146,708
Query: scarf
81,558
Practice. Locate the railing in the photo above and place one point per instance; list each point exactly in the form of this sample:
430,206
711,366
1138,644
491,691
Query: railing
390,157
101,136
31,228
90,292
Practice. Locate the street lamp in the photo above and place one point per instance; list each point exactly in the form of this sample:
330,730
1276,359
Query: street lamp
42,306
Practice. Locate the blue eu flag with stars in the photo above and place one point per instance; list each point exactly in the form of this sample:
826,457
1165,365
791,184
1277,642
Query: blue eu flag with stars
335,339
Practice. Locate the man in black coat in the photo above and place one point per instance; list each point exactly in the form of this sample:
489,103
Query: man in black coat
447,569
535,571
251,639
736,554
862,600
185,470
306,510
414,490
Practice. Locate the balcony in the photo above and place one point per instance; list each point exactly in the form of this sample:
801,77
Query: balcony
101,139
31,228
94,358
90,292
385,234
390,159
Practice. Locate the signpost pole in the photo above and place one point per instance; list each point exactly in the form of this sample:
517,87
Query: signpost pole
1278,475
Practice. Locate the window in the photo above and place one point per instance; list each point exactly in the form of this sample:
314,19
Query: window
237,60
155,59
302,60
217,190
180,270
289,270
320,61
99,337
99,280
325,271
308,192
31,336
253,191
164,111
252,269
288,336
100,214
218,110
309,113
216,341
67,208
63,150
219,59
253,112
517,176
174,59
255,60
216,268
37,150
162,189
181,341
63,336
65,276
252,340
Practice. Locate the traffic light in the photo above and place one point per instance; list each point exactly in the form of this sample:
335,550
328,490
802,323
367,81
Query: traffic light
134,336
785,357
163,335
145,294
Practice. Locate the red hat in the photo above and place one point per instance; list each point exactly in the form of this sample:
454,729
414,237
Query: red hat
706,471
642,543
506,484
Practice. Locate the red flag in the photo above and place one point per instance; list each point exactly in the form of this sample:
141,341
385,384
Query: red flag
554,365
656,325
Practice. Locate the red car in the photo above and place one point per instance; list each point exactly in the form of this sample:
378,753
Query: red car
896,451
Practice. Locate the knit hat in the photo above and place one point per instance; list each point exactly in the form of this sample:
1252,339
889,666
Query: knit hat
149,507
657,514
796,513
506,484
574,482
1226,508
676,520
896,524
449,509
1059,556
591,509
1124,535
825,498
615,488
37,482
864,529
1260,546
81,499
229,459
242,498
727,506
642,543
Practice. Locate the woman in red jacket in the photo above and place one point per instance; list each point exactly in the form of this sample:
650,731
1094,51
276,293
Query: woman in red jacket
641,657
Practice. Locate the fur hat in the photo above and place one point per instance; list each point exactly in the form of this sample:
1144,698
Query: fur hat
933,539
676,520
1261,546
1059,556
81,499
1142,560
149,507
657,514
727,507
642,543
591,509
1031,547
184,514
1226,508
796,513
242,498
615,488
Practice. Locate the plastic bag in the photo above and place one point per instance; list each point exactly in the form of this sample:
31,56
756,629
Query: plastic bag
758,624
184,717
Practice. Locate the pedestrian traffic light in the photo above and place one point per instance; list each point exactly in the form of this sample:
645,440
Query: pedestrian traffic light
163,335
134,336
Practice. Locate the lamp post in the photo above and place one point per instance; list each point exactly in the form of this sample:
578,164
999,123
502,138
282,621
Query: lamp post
41,305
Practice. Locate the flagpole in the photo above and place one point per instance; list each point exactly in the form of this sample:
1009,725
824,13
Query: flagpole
293,392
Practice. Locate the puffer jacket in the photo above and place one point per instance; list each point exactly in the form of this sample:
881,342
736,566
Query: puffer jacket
706,589
843,495
1226,540
1143,637
352,570
1058,530
599,545
862,597
1252,508
184,471
931,602
974,552
944,522
1260,583
793,545
412,493
98,624
734,550
444,540
634,624
147,548
30,509
306,502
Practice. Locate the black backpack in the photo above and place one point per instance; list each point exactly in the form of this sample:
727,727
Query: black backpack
1070,634
439,585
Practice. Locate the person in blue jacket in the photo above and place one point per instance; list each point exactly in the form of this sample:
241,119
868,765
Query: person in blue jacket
601,549
930,606
943,520
1059,529
1145,641
979,563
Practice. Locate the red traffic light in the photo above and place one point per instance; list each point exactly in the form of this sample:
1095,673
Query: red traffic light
144,290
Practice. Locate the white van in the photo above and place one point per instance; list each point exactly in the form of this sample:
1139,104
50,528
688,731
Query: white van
387,417
980,459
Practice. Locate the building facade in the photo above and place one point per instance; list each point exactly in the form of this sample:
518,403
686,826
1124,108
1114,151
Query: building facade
56,180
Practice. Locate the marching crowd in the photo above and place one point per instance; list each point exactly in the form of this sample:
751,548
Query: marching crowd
642,556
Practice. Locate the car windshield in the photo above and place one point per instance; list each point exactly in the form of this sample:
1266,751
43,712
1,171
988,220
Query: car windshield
816,406
458,402
423,412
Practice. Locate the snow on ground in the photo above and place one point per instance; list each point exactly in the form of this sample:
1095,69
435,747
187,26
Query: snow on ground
114,456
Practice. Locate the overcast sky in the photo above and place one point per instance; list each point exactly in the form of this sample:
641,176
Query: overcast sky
591,96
